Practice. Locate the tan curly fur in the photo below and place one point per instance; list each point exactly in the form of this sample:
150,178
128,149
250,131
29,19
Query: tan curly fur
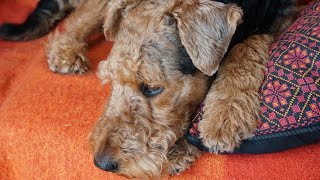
67,51
142,131
232,104
144,136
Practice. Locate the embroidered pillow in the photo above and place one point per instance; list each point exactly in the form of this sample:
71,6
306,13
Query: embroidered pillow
290,95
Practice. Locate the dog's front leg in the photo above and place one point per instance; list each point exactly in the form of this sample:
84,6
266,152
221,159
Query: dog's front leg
67,51
232,105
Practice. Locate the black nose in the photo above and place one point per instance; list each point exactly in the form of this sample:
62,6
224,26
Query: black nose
106,163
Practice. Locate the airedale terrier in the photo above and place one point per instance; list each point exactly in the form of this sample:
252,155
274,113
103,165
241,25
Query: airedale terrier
142,136
161,66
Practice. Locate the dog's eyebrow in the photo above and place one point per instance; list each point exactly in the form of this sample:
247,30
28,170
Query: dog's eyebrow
151,55
183,61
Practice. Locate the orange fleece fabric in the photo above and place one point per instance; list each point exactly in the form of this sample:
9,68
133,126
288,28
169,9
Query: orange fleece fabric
45,119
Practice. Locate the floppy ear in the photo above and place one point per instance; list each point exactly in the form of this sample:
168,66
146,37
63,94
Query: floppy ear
115,11
206,28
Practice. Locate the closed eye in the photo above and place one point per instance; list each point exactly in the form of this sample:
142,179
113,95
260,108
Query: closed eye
150,91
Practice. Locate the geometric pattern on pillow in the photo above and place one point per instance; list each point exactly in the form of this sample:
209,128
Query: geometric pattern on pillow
290,95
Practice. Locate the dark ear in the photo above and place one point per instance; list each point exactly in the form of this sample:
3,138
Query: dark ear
206,28
115,11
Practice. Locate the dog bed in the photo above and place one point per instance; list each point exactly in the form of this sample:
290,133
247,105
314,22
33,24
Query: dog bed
290,95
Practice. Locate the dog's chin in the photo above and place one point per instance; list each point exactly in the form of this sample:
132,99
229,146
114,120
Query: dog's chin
140,174
143,168
143,176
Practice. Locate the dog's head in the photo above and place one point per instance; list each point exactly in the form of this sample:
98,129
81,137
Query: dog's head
159,66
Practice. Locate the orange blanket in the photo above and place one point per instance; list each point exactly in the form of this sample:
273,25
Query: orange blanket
45,119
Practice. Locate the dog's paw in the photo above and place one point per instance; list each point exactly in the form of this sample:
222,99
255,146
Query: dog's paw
77,65
219,139
177,167
67,56
225,124
181,156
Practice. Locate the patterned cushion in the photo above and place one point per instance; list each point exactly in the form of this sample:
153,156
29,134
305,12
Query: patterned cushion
291,92
290,95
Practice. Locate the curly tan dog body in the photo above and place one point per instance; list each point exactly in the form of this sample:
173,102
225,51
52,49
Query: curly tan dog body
153,97
160,67
139,134
142,137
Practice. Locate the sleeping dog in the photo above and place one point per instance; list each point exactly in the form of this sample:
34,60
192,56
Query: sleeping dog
161,66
